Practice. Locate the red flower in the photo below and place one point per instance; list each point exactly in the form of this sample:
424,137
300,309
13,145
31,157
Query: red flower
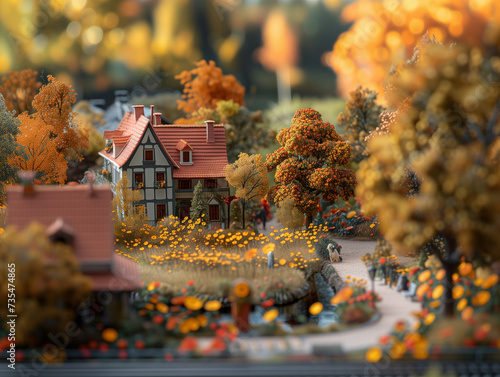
381,260
268,303
188,344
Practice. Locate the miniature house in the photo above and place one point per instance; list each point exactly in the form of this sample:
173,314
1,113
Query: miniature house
80,216
165,162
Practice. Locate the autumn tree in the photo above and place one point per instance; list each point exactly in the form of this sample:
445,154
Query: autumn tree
49,284
53,107
204,86
307,164
9,128
248,175
449,137
360,118
288,215
19,89
198,203
381,32
41,154
125,198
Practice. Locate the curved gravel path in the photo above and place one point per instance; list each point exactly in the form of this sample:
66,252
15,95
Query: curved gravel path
393,307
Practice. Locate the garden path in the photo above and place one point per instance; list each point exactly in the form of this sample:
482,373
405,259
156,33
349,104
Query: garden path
393,307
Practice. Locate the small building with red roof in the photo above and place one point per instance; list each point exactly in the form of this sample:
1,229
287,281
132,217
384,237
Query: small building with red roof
80,216
165,162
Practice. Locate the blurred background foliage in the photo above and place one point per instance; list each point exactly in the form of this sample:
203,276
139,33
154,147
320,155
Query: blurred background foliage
100,46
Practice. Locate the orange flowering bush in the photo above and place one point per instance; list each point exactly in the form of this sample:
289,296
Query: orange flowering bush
354,303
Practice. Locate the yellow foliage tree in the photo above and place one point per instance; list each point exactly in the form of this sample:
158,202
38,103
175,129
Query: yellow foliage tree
123,207
48,284
248,175
289,215
448,137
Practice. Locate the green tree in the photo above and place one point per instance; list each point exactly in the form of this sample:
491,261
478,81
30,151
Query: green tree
449,138
198,208
49,284
307,164
9,128
361,117
248,175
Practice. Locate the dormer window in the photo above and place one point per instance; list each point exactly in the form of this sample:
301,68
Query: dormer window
149,155
186,157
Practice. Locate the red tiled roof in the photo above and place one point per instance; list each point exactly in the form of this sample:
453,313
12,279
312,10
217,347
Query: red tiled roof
124,276
134,131
209,159
112,134
89,216
182,145
121,140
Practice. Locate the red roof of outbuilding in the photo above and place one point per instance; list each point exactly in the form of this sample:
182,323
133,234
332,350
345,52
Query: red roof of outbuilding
209,159
85,211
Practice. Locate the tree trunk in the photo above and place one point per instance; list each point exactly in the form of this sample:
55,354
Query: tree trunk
448,301
243,213
309,220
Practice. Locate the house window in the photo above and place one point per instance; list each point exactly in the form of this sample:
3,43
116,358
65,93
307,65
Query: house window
160,212
160,180
149,155
210,183
213,211
138,180
184,184
186,157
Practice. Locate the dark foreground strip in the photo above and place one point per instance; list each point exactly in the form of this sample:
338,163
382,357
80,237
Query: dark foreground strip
230,368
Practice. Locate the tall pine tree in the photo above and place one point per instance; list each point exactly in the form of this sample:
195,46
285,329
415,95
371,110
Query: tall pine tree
198,204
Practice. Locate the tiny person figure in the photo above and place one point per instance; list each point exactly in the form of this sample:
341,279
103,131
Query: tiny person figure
263,216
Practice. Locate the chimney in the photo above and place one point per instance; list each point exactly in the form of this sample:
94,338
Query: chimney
210,131
138,111
151,116
157,119
26,178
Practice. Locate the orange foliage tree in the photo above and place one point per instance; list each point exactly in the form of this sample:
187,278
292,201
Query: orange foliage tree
50,137
19,89
307,164
204,86
40,151
385,31
53,106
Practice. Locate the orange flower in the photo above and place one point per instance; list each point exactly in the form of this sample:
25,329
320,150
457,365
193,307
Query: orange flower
481,298
464,269
490,281
422,290
424,276
373,355
193,303
316,308
241,290
343,295
250,254
440,274
462,304
458,291
437,292
109,335
270,315
212,305
467,313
